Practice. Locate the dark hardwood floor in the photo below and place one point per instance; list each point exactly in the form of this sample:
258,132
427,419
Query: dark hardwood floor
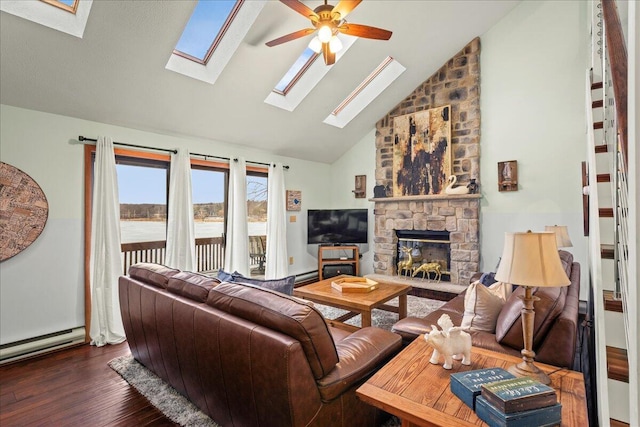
73,387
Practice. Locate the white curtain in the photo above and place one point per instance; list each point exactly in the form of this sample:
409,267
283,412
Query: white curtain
181,241
236,256
105,262
277,260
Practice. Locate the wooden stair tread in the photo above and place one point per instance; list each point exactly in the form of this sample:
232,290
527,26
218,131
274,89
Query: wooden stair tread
616,423
603,177
606,251
598,125
601,148
597,104
617,364
605,212
596,85
611,303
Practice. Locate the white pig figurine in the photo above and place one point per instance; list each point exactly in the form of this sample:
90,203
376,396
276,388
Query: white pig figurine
451,342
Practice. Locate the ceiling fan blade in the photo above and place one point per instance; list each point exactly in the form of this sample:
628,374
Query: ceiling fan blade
289,37
365,31
329,57
345,6
301,8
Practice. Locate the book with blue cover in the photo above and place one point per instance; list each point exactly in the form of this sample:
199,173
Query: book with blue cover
541,417
467,385
518,394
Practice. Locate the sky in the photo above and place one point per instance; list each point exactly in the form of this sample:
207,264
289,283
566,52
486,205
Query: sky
204,25
138,184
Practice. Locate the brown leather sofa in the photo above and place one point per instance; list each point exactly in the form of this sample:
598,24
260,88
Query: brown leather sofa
555,326
248,356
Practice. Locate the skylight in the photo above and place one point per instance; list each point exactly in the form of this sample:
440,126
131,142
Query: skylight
372,86
300,80
206,27
203,57
295,72
68,5
67,16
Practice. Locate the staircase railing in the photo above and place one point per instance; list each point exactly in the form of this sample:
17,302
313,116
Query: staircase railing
608,40
614,59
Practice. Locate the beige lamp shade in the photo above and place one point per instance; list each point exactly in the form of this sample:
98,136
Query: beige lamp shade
562,235
531,259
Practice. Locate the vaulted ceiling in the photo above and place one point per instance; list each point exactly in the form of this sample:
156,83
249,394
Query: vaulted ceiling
116,73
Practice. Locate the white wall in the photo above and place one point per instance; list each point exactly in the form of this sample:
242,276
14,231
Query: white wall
41,288
533,65
359,160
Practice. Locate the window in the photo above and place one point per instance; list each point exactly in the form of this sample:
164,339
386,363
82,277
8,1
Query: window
209,191
142,187
303,76
68,16
206,27
143,182
257,204
372,86
68,5
296,71
208,42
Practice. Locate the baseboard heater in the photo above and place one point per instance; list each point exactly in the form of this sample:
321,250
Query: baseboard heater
31,347
305,278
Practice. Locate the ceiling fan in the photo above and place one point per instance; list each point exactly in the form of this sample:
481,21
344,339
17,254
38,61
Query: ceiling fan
328,21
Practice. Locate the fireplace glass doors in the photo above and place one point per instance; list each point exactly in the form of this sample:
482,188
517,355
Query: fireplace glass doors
423,254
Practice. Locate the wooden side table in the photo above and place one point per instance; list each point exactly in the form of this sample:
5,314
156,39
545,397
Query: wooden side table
418,392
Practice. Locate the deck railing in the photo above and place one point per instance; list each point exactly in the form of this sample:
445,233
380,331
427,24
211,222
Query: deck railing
209,253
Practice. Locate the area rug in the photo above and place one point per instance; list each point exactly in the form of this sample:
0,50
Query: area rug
416,307
184,413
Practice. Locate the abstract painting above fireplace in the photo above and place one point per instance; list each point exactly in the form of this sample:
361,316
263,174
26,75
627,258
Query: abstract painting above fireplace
421,152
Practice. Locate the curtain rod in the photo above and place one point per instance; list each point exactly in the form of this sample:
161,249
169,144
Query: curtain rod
82,138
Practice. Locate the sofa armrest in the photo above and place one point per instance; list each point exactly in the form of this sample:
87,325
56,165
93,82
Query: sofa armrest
360,354
559,345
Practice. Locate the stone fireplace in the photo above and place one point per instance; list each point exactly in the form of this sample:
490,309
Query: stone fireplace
457,215
456,83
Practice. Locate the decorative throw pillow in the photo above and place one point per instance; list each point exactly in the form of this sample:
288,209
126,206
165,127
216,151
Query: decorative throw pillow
482,305
547,309
224,276
284,285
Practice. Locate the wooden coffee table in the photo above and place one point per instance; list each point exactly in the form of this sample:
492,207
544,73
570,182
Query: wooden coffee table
418,392
356,303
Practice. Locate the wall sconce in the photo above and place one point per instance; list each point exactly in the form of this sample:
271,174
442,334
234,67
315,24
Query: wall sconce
361,187
508,176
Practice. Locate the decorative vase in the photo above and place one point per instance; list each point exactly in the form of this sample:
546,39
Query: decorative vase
472,186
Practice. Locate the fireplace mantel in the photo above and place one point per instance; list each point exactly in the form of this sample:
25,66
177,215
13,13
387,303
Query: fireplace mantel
426,198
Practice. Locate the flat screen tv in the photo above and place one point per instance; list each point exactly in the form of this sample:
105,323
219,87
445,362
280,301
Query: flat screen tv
337,226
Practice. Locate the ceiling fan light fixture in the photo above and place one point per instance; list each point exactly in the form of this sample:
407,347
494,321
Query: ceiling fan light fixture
315,45
335,45
325,33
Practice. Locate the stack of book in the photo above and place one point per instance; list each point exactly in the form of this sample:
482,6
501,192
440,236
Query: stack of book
518,402
468,385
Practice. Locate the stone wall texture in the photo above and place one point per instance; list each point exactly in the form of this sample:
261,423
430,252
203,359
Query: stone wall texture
459,215
456,83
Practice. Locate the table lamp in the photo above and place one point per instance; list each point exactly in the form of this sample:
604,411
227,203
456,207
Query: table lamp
530,260
562,235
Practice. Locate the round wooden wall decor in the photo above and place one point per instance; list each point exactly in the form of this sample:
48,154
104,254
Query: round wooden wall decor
23,211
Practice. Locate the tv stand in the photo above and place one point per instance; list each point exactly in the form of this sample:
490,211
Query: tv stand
352,258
